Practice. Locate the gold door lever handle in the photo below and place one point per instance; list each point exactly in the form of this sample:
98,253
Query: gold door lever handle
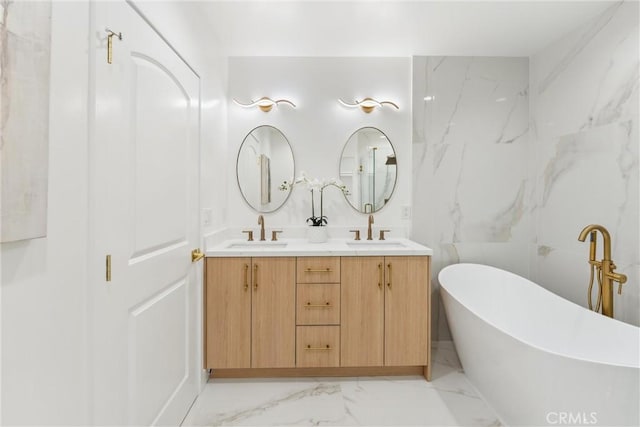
196,255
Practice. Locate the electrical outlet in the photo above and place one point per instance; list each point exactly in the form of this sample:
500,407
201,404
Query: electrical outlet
405,212
207,215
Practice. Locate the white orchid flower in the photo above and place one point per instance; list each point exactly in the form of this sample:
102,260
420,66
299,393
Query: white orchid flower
314,184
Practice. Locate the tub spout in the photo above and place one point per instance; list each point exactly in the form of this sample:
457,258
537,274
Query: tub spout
605,236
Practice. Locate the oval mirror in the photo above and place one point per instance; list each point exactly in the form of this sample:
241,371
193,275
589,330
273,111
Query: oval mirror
368,168
265,162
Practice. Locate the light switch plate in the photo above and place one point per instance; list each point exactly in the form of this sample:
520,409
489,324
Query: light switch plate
207,214
405,212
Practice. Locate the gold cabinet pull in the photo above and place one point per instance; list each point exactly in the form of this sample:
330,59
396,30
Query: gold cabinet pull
308,347
380,275
389,283
255,277
319,270
246,277
326,304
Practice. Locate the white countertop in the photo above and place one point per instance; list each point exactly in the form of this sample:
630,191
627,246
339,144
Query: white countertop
332,247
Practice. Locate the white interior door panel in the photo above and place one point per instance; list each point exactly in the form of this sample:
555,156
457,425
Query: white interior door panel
145,215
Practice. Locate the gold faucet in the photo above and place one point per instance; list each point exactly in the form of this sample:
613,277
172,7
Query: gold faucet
261,224
369,236
604,268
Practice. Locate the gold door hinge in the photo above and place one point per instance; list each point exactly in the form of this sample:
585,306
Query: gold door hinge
110,44
108,265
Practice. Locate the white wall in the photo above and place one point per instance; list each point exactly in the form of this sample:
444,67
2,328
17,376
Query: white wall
470,167
45,369
319,127
584,155
45,364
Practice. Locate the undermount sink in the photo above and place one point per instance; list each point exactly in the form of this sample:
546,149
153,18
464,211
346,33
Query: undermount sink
257,245
376,244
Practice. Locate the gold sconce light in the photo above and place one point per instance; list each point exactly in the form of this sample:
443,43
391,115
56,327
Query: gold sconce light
368,104
265,104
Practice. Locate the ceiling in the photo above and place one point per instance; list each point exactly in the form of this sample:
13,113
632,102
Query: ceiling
390,28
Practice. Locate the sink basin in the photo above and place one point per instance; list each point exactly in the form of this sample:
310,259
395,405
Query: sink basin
257,245
376,244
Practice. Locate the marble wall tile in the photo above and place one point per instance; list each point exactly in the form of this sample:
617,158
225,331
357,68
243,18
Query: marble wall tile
470,157
584,155
489,188
588,78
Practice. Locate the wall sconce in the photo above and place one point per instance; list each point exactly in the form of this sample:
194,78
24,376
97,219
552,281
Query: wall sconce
368,104
265,104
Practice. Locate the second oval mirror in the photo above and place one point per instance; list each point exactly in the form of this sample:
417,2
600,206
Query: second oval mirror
265,161
368,168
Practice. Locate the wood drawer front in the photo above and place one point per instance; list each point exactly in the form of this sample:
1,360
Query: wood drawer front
318,304
317,346
318,270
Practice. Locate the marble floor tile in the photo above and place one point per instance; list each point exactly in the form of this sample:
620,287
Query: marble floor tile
448,400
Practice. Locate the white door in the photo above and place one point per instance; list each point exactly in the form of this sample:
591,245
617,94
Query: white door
144,183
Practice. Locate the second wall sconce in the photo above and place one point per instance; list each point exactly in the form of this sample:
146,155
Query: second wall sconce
265,104
368,104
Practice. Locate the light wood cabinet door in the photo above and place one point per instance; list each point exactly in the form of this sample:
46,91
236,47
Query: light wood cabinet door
362,311
228,313
406,311
273,313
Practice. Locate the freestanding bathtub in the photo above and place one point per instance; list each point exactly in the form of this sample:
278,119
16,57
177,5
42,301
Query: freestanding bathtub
536,358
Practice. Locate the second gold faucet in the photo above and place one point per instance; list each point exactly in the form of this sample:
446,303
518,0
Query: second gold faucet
261,224
369,233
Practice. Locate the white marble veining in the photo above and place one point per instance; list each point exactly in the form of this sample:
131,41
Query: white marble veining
448,400
470,118
588,78
514,156
302,247
584,155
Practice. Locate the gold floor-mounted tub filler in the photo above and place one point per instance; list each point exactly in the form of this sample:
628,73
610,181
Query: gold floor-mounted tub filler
603,270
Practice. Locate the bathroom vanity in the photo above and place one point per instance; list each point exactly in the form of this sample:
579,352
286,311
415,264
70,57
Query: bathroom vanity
340,308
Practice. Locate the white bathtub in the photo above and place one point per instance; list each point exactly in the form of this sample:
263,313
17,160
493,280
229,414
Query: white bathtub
536,358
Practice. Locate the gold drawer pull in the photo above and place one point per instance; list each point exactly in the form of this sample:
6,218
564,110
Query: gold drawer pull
326,304
319,270
328,347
